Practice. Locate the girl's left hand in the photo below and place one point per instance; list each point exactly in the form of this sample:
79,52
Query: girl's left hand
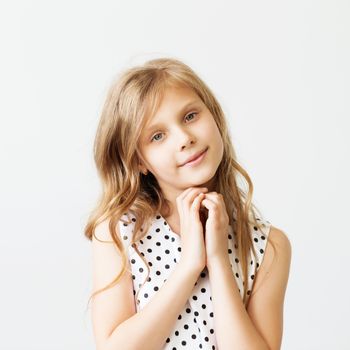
216,227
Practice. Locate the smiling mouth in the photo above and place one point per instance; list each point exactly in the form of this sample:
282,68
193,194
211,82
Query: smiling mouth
196,160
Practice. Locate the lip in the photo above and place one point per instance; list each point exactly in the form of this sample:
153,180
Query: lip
196,158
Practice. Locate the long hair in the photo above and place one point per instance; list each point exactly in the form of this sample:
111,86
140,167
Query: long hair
133,96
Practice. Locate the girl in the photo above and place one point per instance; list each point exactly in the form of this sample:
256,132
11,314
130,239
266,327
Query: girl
181,257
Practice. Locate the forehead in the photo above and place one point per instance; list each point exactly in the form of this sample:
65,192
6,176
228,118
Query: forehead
173,102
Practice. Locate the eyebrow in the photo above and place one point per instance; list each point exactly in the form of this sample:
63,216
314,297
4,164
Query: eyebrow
184,107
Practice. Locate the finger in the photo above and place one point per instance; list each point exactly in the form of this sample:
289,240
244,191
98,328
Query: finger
189,197
196,204
185,201
192,195
188,190
209,204
215,197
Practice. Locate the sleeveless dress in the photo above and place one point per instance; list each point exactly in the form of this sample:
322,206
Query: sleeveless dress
161,248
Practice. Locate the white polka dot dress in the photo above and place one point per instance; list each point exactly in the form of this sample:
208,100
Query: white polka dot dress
161,248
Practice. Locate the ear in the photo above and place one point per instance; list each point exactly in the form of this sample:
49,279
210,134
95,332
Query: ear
143,169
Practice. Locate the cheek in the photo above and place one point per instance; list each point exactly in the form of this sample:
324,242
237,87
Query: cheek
210,126
161,161
213,134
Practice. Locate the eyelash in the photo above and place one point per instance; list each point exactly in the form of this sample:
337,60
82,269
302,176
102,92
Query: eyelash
194,113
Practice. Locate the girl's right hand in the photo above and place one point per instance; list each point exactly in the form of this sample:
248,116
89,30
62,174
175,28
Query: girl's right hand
193,253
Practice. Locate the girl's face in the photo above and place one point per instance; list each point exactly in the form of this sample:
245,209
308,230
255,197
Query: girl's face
181,127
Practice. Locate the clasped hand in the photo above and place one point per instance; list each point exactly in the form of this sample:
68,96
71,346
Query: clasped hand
216,226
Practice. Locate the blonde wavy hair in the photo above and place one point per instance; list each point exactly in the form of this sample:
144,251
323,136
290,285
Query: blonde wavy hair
133,96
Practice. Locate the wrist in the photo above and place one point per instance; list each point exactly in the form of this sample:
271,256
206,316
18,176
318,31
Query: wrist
190,267
218,261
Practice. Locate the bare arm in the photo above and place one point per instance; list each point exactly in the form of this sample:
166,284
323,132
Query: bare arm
261,325
116,323
149,328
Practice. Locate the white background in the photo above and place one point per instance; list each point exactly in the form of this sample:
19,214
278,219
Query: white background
280,69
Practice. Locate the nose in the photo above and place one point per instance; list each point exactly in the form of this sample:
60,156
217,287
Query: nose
187,144
186,139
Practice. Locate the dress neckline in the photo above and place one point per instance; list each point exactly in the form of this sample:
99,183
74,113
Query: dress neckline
169,227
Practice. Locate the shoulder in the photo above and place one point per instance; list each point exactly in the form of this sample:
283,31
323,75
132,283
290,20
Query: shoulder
280,238
102,232
277,259
281,244
123,228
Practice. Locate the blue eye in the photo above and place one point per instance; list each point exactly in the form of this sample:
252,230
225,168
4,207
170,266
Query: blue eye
190,114
153,138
